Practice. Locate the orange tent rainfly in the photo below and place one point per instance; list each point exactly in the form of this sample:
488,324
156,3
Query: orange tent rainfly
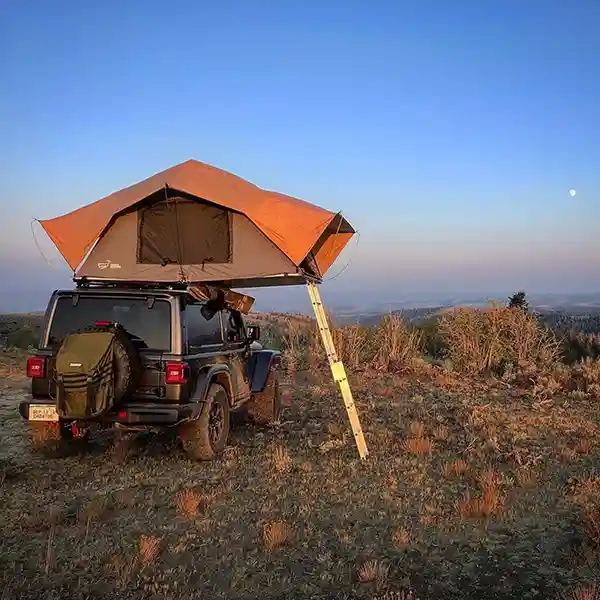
196,223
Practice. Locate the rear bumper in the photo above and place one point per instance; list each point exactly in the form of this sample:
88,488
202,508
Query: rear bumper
135,414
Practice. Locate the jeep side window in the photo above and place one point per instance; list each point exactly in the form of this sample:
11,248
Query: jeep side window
201,331
233,327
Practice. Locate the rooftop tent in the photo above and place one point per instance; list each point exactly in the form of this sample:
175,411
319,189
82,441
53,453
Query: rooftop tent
196,223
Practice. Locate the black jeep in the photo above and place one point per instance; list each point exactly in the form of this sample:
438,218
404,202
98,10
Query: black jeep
138,358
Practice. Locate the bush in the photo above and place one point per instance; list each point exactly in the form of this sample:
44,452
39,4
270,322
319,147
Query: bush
22,338
295,342
391,346
352,343
578,346
498,340
396,345
432,343
483,341
585,377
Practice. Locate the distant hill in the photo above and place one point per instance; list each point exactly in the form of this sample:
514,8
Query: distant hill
582,318
574,320
411,315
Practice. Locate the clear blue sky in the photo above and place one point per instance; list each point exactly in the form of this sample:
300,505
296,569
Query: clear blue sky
449,133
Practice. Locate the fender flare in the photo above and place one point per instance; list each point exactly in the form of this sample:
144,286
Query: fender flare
212,374
259,367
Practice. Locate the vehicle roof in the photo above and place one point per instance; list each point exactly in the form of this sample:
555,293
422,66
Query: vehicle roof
231,299
120,291
134,291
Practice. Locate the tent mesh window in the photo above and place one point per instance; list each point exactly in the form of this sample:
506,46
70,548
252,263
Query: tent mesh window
185,232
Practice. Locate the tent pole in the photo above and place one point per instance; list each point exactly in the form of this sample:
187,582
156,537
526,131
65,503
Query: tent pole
337,368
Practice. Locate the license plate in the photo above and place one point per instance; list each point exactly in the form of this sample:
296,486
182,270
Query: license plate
42,412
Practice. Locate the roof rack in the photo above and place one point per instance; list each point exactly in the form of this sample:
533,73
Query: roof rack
266,281
199,292
84,283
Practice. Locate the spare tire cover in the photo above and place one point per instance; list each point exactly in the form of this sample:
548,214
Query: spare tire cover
127,362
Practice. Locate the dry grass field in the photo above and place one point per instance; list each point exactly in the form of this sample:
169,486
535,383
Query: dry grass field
479,485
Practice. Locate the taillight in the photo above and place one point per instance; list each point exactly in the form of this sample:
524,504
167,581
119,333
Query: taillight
36,367
176,372
102,323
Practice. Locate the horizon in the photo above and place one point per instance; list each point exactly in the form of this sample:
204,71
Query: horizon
29,291
448,136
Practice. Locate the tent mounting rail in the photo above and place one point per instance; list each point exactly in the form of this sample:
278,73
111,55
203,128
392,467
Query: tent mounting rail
141,285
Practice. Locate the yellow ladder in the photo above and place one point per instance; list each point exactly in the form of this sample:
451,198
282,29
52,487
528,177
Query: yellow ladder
337,368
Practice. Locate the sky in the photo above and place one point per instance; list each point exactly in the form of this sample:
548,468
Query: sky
448,133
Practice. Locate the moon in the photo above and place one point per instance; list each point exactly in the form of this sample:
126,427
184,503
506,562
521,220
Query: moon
572,192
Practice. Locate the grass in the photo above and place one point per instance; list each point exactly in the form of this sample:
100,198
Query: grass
475,488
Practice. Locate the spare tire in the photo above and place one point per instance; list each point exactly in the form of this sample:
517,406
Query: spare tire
127,364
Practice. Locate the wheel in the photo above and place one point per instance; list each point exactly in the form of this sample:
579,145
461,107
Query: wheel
265,407
53,439
127,366
206,437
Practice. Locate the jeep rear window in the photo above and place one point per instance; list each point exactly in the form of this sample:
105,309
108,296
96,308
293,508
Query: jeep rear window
149,327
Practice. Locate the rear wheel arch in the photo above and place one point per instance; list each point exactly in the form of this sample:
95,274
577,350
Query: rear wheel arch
223,378
218,374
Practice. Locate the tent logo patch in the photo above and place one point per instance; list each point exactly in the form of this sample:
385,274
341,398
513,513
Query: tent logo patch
108,265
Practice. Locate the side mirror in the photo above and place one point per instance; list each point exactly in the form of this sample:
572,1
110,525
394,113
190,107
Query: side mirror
253,333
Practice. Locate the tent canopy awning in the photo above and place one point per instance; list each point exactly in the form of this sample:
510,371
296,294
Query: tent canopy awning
197,223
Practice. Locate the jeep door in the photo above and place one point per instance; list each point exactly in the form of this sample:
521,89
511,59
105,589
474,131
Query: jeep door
236,346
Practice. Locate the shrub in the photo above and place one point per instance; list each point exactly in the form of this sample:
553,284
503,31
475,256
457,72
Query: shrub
353,344
295,341
432,343
479,341
585,377
506,341
22,338
576,346
395,343
391,346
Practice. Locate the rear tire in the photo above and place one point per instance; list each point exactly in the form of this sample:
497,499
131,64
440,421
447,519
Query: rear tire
206,437
265,407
